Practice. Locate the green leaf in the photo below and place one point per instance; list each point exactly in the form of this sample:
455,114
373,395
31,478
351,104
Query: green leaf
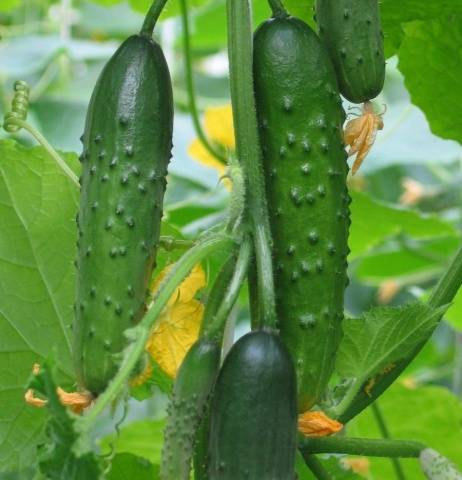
37,247
105,2
382,337
454,314
389,221
57,458
126,466
8,5
395,14
143,438
431,415
437,467
431,50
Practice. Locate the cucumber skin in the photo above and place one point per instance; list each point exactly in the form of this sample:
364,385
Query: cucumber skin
187,407
253,418
126,150
300,122
351,30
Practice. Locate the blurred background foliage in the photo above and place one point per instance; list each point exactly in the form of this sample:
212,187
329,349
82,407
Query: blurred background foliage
407,208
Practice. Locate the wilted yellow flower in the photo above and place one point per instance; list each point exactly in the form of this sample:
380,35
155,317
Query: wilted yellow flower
359,465
317,424
387,291
218,126
413,193
179,323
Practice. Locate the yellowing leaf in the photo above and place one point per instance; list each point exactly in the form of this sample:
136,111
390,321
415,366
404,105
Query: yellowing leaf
179,324
218,124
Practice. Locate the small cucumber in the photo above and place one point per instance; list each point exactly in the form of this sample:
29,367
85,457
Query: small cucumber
352,32
300,121
253,418
193,385
126,149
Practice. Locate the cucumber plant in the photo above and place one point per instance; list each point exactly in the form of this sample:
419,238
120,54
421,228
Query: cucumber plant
126,149
352,32
300,123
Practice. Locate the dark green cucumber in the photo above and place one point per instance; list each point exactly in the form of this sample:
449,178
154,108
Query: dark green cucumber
253,418
192,389
352,33
126,150
300,120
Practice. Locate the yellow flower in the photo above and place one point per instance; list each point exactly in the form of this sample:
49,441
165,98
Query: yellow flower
179,324
317,424
218,126
359,465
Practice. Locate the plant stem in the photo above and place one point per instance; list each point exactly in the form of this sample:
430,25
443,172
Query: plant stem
248,149
169,243
215,329
278,8
151,17
51,151
316,467
140,334
442,295
190,84
362,446
449,284
386,434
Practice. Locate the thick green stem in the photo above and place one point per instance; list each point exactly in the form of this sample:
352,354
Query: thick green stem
362,446
443,294
140,334
316,467
151,17
248,149
215,329
380,420
171,243
51,151
278,8
190,84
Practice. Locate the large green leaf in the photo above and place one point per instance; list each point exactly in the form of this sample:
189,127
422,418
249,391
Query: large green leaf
429,59
431,415
143,438
454,314
7,5
395,14
382,337
126,466
37,248
373,222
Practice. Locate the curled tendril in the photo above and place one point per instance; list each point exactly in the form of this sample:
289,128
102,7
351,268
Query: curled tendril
19,107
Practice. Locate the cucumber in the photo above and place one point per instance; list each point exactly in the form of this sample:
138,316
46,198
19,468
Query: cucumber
253,419
300,119
126,150
352,32
192,389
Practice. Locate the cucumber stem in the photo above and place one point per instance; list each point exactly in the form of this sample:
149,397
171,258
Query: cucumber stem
278,9
316,467
190,84
380,420
140,334
362,446
215,328
169,243
248,149
151,18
